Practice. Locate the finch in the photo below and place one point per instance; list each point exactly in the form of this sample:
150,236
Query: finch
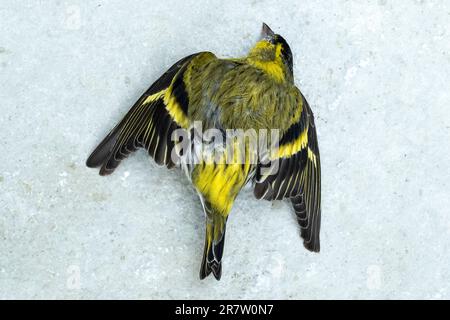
254,93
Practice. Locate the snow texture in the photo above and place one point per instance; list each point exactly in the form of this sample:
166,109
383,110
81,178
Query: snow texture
377,76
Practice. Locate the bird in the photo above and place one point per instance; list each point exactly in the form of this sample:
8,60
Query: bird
254,92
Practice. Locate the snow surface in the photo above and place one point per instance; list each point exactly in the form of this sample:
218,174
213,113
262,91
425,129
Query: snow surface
377,76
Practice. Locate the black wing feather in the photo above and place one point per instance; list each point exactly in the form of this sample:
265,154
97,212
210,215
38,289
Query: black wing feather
147,125
298,179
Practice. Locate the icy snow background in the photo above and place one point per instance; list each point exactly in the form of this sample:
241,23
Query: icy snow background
377,76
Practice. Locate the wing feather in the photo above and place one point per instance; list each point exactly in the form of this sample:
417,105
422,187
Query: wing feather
298,177
147,125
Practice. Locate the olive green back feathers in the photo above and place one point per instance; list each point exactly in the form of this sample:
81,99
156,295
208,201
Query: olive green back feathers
255,92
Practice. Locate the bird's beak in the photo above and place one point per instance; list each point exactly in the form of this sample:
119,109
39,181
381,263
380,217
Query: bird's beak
266,32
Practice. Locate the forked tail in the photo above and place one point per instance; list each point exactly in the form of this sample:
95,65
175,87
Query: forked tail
214,242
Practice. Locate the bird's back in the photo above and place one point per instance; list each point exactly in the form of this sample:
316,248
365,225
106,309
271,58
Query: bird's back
237,95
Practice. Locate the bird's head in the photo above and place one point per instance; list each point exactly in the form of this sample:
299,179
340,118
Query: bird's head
272,54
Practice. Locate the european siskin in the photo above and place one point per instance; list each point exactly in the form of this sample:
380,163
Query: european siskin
236,101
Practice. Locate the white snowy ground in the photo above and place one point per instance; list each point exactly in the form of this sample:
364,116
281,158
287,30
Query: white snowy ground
377,76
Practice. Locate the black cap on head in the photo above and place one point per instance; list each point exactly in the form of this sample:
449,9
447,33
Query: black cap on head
285,51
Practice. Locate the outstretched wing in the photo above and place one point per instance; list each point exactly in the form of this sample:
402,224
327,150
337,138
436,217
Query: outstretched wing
298,175
149,123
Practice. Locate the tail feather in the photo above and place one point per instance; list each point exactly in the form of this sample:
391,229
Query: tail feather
214,244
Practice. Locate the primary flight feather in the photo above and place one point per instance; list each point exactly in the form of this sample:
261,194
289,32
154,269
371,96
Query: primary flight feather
256,92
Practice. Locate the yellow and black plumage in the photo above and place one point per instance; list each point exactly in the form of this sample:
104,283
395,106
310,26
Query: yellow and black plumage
253,92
